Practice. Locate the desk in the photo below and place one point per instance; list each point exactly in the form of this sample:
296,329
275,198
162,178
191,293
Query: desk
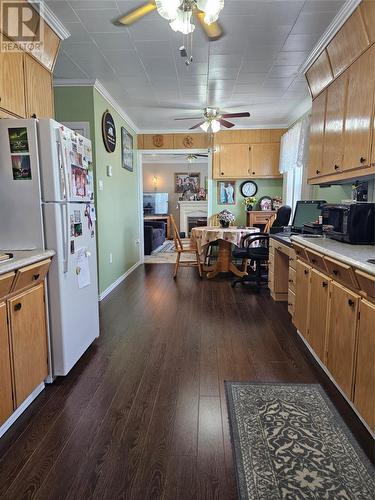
203,236
163,218
259,217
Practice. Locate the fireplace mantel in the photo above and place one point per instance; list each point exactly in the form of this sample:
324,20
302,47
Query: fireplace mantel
191,209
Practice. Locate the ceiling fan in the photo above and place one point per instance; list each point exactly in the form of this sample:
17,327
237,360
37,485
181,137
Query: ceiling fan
213,119
191,157
180,14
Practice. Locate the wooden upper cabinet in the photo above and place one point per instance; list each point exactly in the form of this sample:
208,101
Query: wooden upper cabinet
364,390
317,135
6,399
359,112
341,342
302,297
317,327
234,161
265,160
51,43
367,8
348,44
319,75
29,341
334,125
12,90
39,95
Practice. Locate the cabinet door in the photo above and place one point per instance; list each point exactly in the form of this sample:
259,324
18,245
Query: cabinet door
265,160
342,326
318,309
357,130
6,400
318,114
29,341
367,8
12,89
39,96
302,297
334,125
234,161
364,390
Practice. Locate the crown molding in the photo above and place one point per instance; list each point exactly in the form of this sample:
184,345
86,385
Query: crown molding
50,18
61,82
345,12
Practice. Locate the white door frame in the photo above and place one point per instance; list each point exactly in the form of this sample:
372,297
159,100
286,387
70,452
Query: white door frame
140,154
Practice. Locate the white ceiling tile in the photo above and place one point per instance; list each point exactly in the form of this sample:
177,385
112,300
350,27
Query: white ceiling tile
78,34
283,71
277,83
88,58
93,5
256,66
100,21
251,77
67,69
310,23
291,58
63,11
158,49
113,41
300,42
323,5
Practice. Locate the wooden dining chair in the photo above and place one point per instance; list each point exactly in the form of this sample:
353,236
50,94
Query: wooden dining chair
184,249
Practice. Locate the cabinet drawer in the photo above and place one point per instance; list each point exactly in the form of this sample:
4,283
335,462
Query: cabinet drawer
366,283
260,219
292,279
291,301
316,260
300,251
30,275
6,281
341,272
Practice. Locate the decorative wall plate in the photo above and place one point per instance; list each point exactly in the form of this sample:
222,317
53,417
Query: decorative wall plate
109,132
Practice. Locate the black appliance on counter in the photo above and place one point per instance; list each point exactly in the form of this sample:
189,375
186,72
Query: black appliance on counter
350,222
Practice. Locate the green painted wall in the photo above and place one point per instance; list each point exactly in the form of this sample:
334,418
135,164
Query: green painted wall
269,187
332,194
117,205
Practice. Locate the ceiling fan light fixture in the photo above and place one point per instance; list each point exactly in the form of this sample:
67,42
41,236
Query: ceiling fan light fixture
182,23
211,9
205,126
215,126
168,8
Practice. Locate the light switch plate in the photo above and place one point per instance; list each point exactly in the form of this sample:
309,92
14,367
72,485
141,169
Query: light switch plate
100,185
109,170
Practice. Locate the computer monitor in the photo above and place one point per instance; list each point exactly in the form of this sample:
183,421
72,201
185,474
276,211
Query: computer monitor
306,211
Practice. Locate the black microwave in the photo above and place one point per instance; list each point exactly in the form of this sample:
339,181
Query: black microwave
350,222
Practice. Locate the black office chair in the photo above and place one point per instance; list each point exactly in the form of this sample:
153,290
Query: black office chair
260,254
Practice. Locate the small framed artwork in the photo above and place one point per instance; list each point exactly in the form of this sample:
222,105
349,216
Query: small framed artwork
127,158
226,192
189,182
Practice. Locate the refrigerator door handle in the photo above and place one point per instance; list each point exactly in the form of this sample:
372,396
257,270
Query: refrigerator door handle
65,168
66,229
63,186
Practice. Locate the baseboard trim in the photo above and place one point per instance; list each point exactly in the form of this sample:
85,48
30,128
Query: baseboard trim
119,280
8,423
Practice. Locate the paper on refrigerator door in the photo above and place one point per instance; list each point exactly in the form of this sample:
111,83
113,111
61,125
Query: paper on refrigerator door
82,268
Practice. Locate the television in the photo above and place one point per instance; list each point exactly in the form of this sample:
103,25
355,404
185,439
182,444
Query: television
155,203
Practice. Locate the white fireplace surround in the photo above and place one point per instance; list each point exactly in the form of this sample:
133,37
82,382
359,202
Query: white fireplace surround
191,209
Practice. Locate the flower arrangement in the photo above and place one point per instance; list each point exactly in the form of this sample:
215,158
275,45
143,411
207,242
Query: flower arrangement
249,202
225,218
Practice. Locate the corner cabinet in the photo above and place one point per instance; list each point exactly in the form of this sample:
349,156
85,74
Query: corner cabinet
12,91
317,126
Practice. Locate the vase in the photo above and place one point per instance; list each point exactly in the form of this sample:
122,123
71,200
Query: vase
224,223
249,208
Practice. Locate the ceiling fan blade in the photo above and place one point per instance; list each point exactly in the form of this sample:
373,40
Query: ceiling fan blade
236,115
226,124
134,15
196,125
213,31
189,118
203,156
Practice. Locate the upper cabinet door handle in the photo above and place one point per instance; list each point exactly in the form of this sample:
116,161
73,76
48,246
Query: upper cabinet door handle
36,277
351,302
18,306
318,171
336,167
324,284
362,160
306,271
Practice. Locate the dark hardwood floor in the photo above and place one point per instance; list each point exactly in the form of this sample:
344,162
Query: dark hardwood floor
143,414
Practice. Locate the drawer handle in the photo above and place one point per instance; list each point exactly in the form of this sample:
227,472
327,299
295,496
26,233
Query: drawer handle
324,284
335,272
36,277
18,306
336,167
351,302
318,171
290,281
290,304
306,271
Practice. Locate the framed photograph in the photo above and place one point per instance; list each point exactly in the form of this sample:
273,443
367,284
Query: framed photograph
226,192
127,157
184,183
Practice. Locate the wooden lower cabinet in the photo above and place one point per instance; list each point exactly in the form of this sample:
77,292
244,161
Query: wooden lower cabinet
29,341
6,399
341,341
364,389
318,312
301,297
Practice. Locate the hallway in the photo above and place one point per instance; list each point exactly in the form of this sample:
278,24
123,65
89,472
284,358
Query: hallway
143,414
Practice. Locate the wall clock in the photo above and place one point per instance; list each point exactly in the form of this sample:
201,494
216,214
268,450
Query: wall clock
248,188
109,132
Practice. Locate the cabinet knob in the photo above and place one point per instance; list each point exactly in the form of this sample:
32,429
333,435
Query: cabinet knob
36,277
253,173
33,115
336,167
18,306
221,173
324,284
318,171
362,160
351,302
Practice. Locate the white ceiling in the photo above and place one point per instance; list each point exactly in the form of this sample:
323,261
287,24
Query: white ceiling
254,67
178,158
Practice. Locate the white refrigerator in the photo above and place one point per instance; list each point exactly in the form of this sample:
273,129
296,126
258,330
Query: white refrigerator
47,201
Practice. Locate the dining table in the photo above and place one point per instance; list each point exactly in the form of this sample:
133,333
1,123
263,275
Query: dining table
226,237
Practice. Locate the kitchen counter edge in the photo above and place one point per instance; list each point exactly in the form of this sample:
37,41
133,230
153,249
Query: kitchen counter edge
23,258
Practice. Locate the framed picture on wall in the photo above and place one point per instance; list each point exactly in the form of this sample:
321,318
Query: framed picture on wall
127,155
184,182
226,192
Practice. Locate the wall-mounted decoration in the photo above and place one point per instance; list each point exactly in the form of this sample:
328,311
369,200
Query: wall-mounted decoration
158,141
21,167
248,189
226,192
109,132
19,153
188,141
265,203
185,182
127,157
